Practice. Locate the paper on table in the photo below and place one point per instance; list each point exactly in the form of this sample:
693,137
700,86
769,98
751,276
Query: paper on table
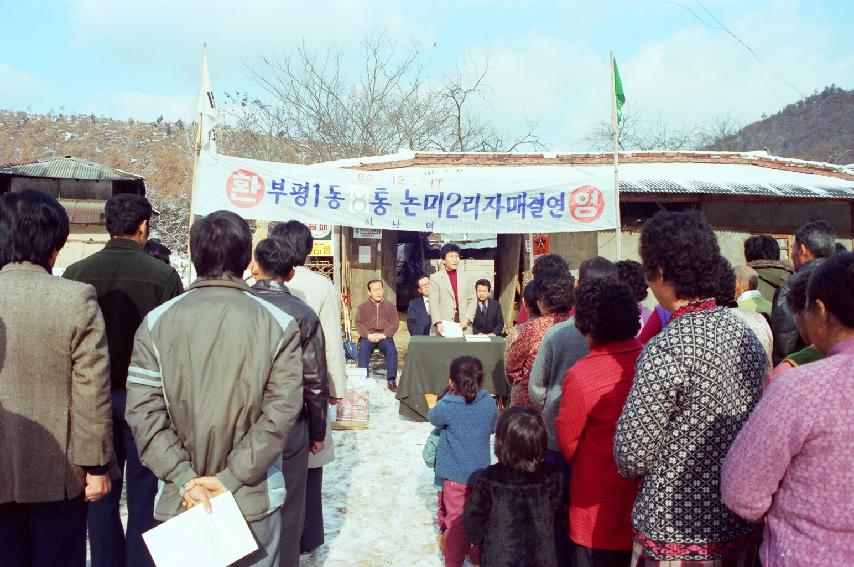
477,338
452,330
195,537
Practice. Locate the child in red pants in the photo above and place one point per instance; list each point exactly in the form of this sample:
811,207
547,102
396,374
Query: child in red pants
466,418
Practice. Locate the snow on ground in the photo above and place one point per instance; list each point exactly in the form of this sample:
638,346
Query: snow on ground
378,495
379,502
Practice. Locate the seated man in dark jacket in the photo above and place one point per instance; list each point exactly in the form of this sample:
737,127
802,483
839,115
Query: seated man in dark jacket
376,321
488,319
274,264
814,242
418,313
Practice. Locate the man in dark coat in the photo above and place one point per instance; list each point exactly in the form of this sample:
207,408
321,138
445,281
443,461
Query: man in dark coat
488,319
762,253
129,284
814,242
274,264
418,313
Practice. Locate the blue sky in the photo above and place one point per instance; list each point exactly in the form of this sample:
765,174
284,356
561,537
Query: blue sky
547,60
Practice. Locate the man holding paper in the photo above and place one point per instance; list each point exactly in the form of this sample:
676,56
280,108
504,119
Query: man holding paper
215,385
451,292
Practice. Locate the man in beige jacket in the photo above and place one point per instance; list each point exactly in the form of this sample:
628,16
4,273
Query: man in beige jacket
55,427
452,292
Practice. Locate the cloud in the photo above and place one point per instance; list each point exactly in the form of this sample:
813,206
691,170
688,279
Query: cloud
689,77
18,90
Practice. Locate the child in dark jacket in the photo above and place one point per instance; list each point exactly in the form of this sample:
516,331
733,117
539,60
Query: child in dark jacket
466,417
514,504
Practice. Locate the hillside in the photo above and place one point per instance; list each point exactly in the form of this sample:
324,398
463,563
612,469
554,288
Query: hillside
819,128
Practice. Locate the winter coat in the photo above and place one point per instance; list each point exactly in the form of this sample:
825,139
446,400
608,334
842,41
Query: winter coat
772,274
561,347
214,387
318,292
787,338
372,317
464,441
129,284
511,515
315,379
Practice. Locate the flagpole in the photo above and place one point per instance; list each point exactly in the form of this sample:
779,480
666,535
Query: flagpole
197,150
614,128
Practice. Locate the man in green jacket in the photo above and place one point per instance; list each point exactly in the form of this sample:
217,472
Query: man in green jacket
229,364
129,283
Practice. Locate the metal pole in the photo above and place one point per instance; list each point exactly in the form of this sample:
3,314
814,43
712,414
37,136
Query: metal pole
614,127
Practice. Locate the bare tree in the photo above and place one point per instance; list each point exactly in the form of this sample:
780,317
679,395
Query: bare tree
638,132
326,112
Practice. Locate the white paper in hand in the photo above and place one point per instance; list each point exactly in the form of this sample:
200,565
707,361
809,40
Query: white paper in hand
452,330
195,537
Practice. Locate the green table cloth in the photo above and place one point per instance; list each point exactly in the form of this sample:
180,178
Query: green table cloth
428,362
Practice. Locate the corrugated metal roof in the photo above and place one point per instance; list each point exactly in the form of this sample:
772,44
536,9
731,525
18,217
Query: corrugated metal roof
724,179
83,211
730,180
68,168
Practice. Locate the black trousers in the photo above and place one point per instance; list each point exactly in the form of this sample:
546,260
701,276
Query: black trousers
46,534
295,470
312,532
589,557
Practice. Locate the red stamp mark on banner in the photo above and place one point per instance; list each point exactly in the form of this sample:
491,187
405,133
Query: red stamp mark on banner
244,188
586,203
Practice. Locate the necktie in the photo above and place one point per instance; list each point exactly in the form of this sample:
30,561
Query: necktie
483,308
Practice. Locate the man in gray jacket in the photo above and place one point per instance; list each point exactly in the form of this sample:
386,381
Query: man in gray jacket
274,263
230,366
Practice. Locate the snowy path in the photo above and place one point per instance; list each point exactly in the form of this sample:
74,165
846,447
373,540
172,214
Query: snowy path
378,496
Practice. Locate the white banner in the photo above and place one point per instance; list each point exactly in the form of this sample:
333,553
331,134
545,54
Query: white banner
483,200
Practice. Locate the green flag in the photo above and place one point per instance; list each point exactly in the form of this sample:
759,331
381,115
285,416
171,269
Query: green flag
618,93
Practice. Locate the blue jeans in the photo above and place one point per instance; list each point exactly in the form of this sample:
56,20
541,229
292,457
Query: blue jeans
385,346
109,545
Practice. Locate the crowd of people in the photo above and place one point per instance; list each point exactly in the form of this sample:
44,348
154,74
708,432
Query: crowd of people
114,374
662,437
711,430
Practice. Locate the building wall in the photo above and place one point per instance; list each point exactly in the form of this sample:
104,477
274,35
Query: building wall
66,188
83,240
783,218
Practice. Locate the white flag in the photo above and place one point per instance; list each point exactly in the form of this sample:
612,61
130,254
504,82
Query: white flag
207,107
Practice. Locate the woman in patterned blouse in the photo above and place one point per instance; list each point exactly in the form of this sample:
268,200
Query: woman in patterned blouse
793,463
695,385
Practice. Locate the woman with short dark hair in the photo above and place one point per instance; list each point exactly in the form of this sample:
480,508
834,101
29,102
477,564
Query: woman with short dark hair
695,386
793,462
555,298
594,392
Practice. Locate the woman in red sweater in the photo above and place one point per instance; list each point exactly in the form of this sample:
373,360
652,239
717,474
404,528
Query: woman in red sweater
594,392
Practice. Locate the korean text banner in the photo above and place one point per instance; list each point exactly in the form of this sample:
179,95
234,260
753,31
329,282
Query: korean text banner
491,200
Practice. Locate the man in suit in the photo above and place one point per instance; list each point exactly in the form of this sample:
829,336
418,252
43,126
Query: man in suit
452,296
488,319
418,313
55,427
129,283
